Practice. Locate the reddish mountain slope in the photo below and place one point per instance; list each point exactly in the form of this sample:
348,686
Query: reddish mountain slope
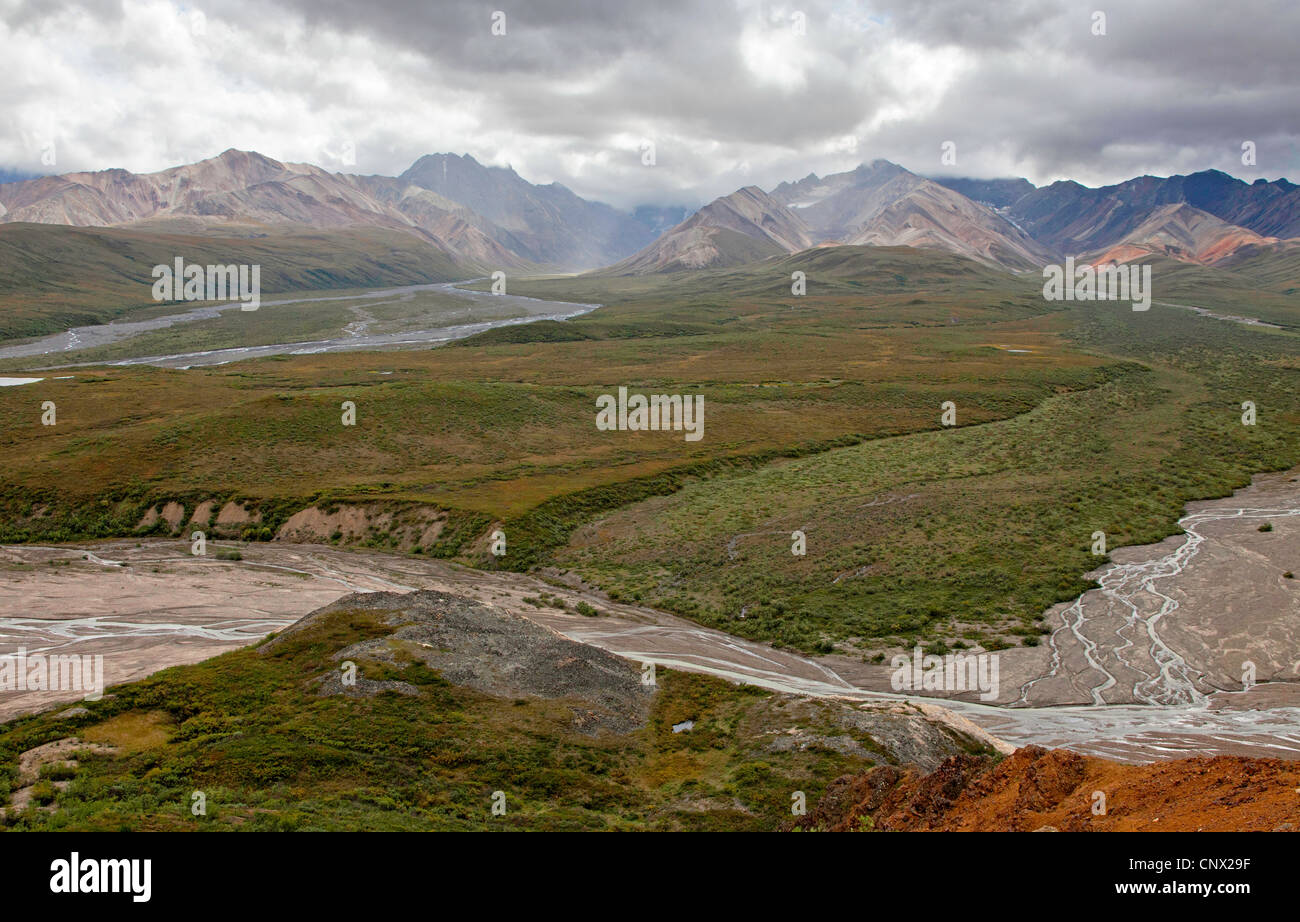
1036,788
1182,232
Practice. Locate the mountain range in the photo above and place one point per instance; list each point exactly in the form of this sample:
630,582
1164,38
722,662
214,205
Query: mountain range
483,217
877,204
1208,218
1075,219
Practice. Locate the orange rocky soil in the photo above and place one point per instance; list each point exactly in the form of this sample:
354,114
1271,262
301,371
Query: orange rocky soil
1037,789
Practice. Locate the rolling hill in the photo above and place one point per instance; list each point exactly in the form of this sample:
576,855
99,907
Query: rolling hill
54,277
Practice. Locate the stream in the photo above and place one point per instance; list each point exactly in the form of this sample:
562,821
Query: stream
354,337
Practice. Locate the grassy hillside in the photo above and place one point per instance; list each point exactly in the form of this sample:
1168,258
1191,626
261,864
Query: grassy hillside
1266,287
883,286
53,277
1272,270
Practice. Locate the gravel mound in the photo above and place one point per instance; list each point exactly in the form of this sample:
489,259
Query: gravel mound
492,651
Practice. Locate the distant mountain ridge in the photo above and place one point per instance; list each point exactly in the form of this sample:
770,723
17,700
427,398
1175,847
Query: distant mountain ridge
485,217
548,225
741,227
1206,218
877,204
998,193
1078,218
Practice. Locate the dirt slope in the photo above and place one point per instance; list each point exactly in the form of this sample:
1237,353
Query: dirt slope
1036,788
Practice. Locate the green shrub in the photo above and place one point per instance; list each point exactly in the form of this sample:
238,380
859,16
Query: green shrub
58,771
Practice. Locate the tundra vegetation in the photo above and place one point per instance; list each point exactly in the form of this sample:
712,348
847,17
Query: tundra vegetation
250,732
823,416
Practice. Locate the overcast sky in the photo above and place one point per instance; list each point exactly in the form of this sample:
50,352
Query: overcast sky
730,93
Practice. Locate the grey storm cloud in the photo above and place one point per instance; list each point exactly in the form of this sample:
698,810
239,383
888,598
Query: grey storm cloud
730,93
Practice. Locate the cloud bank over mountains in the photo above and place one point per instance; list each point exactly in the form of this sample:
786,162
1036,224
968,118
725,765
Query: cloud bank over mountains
730,94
